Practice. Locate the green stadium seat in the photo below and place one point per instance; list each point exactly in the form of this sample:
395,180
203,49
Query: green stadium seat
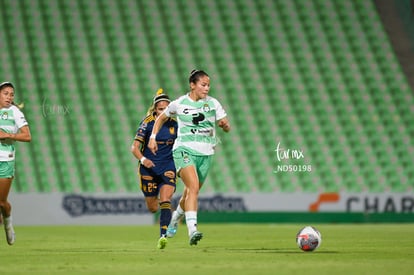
317,74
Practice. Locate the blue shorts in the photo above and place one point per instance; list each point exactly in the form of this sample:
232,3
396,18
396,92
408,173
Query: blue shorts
151,182
6,169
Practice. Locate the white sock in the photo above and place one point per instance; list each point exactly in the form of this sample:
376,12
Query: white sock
191,221
180,211
8,221
177,215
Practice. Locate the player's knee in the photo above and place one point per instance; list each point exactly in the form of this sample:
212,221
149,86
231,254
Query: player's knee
193,191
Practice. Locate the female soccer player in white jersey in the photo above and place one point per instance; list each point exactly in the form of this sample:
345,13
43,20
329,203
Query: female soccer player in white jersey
13,127
197,114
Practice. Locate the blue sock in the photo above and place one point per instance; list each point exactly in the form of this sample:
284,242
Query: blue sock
165,216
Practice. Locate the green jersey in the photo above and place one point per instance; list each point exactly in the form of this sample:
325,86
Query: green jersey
196,123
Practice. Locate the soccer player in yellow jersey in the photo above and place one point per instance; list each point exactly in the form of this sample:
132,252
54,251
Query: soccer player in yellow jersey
157,172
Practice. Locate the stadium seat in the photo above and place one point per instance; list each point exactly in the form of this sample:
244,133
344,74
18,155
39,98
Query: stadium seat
317,75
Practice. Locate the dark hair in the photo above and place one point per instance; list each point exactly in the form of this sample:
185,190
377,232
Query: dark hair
195,75
6,84
9,84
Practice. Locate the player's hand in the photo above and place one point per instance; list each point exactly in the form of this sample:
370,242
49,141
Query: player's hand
148,163
4,135
152,145
224,124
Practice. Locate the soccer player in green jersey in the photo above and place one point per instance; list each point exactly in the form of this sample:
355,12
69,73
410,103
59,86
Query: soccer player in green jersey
197,114
13,127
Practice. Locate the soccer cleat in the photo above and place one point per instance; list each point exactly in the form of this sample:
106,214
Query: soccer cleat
10,235
195,237
172,230
173,226
162,242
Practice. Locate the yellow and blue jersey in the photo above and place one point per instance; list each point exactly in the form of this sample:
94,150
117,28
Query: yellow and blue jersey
165,141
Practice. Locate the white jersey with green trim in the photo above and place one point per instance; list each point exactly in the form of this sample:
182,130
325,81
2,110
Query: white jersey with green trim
11,120
196,123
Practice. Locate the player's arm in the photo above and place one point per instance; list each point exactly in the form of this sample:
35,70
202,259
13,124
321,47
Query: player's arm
23,135
222,120
152,144
224,124
136,150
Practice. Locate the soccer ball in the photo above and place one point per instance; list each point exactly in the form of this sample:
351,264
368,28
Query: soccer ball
308,238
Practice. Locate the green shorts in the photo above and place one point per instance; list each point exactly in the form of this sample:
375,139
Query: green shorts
183,158
6,169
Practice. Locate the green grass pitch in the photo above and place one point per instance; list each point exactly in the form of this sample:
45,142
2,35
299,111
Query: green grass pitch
225,249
